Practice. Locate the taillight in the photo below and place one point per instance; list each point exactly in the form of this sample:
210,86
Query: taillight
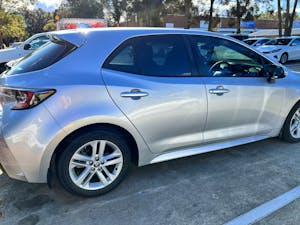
24,98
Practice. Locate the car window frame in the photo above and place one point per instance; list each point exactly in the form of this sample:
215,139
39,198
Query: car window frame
295,40
187,47
201,68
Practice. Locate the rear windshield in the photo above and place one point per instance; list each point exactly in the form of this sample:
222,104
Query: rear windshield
279,41
43,57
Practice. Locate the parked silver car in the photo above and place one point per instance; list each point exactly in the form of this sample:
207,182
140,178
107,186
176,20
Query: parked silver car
90,102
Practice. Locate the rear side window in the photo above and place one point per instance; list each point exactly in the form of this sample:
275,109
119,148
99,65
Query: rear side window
154,55
43,57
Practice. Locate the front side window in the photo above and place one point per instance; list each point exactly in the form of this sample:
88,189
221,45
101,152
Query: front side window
296,42
154,55
217,57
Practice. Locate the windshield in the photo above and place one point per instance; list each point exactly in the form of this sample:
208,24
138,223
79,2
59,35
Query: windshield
279,41
250,42
43,57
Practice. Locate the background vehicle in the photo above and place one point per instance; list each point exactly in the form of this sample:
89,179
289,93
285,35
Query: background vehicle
240,37
87,104
255,42
282,49
74,23
22,49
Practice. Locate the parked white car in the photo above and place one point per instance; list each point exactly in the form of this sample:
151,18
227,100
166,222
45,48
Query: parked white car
282,49
23,49
256,42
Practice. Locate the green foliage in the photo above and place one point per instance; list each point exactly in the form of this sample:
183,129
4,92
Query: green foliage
81,9
11,25
116,8
50,26
35,20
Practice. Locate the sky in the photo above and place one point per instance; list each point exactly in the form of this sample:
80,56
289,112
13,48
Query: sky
48,5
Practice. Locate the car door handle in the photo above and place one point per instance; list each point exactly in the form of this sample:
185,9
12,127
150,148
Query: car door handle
220,90
134,93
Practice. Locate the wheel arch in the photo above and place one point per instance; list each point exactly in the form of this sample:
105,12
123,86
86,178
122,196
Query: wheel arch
287,114
135,156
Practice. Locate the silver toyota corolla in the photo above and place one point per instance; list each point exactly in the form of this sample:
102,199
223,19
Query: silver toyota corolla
90,102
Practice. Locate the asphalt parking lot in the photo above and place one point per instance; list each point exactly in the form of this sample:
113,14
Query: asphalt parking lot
206,189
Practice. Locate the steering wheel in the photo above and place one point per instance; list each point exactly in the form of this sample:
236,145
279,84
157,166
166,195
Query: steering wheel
218,65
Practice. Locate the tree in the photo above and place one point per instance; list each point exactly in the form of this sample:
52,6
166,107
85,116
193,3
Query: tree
35,20
147,12
243,10
50,26
16,6
210,19
279,18
116,9
12,26
182,7
289,24
81,9
287,18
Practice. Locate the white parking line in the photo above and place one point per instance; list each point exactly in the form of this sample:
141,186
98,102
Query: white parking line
266,209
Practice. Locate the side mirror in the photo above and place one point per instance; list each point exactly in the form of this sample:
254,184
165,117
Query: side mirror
275,72
27,46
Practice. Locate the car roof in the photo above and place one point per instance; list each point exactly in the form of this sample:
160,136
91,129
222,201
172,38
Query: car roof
258,38
138,30
288,37
79,36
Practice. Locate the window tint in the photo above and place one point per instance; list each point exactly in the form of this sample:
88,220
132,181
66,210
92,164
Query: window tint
219,57
157,55
42,57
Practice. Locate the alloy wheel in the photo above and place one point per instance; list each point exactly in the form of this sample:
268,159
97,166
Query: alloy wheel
295,125
95,165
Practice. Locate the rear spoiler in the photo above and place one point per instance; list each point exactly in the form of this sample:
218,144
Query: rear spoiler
75,38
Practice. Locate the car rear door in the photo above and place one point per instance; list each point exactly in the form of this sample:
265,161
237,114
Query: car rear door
150,79
241,103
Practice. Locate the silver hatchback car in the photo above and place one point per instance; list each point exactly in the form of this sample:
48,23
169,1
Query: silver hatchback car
90,102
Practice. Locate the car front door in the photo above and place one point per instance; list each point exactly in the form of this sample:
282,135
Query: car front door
294,50
241,103
150,79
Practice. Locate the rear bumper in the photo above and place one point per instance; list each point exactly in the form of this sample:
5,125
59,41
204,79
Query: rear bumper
8,164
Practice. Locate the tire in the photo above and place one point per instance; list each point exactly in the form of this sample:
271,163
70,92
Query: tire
284,58
291,127
2,67
79,167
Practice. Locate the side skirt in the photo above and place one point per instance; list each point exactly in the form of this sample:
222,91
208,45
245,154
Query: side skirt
206,148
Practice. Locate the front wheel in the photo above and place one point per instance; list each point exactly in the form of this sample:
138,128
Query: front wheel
284,58
291,127
93,163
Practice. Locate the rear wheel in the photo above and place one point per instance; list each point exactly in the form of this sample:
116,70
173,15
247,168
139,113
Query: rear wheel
284,58
93,163
291,127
